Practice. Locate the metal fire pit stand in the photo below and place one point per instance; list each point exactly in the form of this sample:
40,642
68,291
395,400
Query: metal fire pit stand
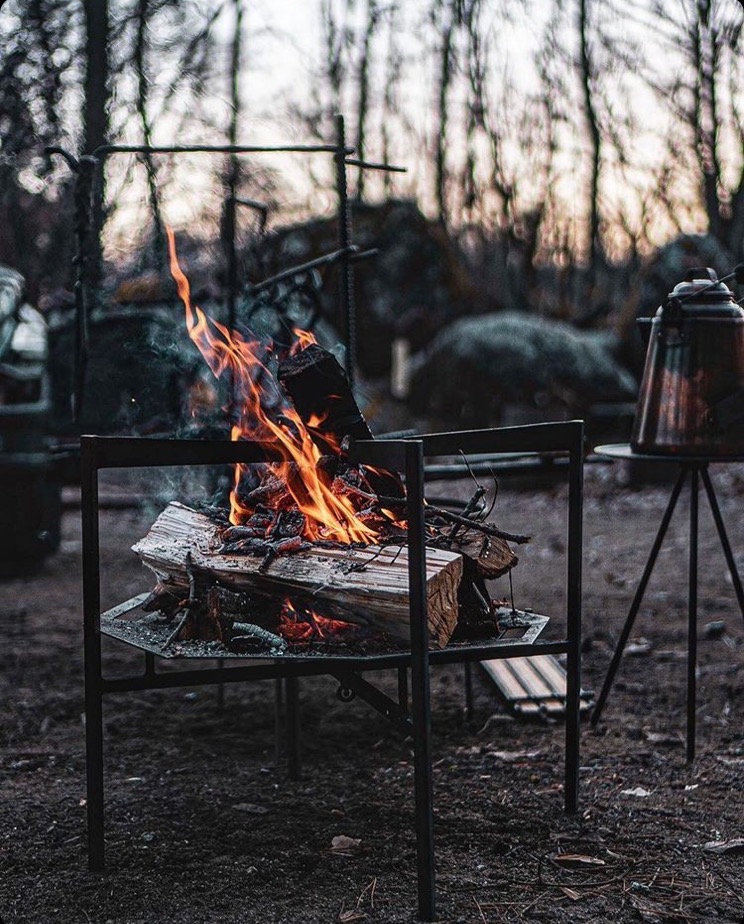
696,467
405,456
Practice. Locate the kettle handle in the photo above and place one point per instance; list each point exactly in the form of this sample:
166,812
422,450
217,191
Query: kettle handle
701,272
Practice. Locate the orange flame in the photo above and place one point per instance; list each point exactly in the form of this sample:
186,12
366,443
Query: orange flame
327,516
303,339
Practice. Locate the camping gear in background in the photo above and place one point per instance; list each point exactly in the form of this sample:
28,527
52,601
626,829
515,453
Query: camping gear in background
141,371
691,400
30,504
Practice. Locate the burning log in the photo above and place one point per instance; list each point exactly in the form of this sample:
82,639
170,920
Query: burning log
321,394
369,585
311,525
320,391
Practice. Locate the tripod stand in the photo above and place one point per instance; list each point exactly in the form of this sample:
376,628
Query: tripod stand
694,468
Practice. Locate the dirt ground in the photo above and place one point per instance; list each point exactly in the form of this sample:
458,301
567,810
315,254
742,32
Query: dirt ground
204,827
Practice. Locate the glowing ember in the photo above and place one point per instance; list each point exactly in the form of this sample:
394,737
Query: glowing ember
304,625
327,514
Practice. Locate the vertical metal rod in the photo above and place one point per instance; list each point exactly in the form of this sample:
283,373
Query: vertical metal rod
573,618
692,614
92,652
220,687
468,678
347,320
638,598
403,688
725,544
294,768
149,664
278,719
420,684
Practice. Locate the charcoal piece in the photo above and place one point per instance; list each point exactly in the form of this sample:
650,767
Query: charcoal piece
289,523
236,533
267,491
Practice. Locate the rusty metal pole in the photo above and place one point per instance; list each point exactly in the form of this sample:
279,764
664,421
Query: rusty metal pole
346,310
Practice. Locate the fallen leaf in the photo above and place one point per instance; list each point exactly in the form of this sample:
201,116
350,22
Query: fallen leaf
343,844
250,808
661,739
734,845
638,791
571,893
511,756
577,860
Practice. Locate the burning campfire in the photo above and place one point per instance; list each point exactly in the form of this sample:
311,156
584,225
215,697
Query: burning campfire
312,549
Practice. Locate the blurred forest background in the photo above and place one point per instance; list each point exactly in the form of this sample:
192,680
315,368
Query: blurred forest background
567,161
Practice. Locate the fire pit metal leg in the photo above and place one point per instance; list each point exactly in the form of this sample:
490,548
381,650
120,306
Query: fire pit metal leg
278,719
220,687
403,688
93,669
468,680
573,623
420,687
292,688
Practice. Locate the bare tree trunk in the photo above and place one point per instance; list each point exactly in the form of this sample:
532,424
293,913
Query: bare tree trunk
373,16
143,86
475,104
735,225
389,103
96,74
703,49
96,113
595,140
447,13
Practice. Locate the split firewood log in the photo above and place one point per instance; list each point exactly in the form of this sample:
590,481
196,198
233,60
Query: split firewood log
370,584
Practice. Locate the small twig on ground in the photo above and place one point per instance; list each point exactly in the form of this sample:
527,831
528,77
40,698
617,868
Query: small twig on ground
480,910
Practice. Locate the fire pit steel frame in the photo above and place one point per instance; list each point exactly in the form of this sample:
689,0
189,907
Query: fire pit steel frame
406,456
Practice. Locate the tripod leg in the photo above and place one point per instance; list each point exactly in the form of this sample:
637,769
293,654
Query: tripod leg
692,616
725,544
638,598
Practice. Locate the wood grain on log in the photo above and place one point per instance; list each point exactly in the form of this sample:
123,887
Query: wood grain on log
370,585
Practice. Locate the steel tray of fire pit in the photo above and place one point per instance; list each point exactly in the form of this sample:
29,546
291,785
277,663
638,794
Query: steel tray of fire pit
150,633
404,456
